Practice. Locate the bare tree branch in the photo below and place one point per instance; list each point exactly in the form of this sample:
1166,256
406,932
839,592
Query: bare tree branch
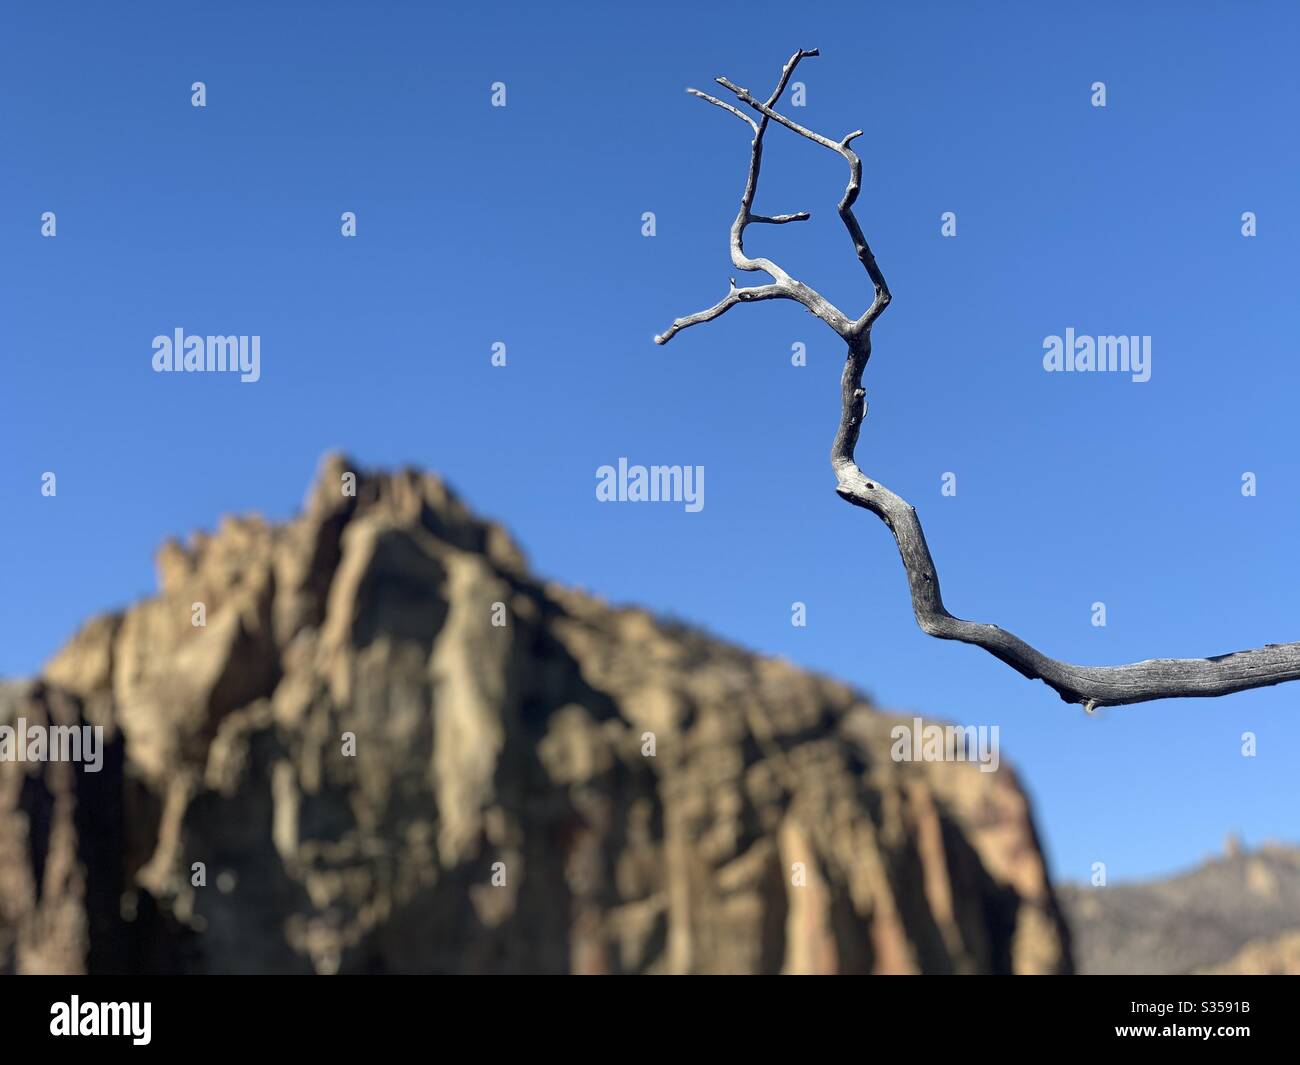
781,219
736,295
1092,686
860,246
726,107
789,288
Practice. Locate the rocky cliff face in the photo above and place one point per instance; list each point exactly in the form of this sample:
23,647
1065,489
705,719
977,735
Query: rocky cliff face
389,749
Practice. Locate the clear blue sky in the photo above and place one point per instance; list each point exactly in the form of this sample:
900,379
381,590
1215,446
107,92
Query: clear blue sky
523,224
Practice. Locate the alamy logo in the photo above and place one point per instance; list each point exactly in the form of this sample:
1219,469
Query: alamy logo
22,742
656,484
919,742
1080,354
196,354
102,1018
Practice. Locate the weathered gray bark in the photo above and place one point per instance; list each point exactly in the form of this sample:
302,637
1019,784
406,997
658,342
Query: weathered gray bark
1092,686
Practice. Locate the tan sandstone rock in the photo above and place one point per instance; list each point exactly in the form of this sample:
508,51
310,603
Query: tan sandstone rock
497,809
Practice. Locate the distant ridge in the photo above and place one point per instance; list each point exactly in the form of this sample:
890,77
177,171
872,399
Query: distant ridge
1239,913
